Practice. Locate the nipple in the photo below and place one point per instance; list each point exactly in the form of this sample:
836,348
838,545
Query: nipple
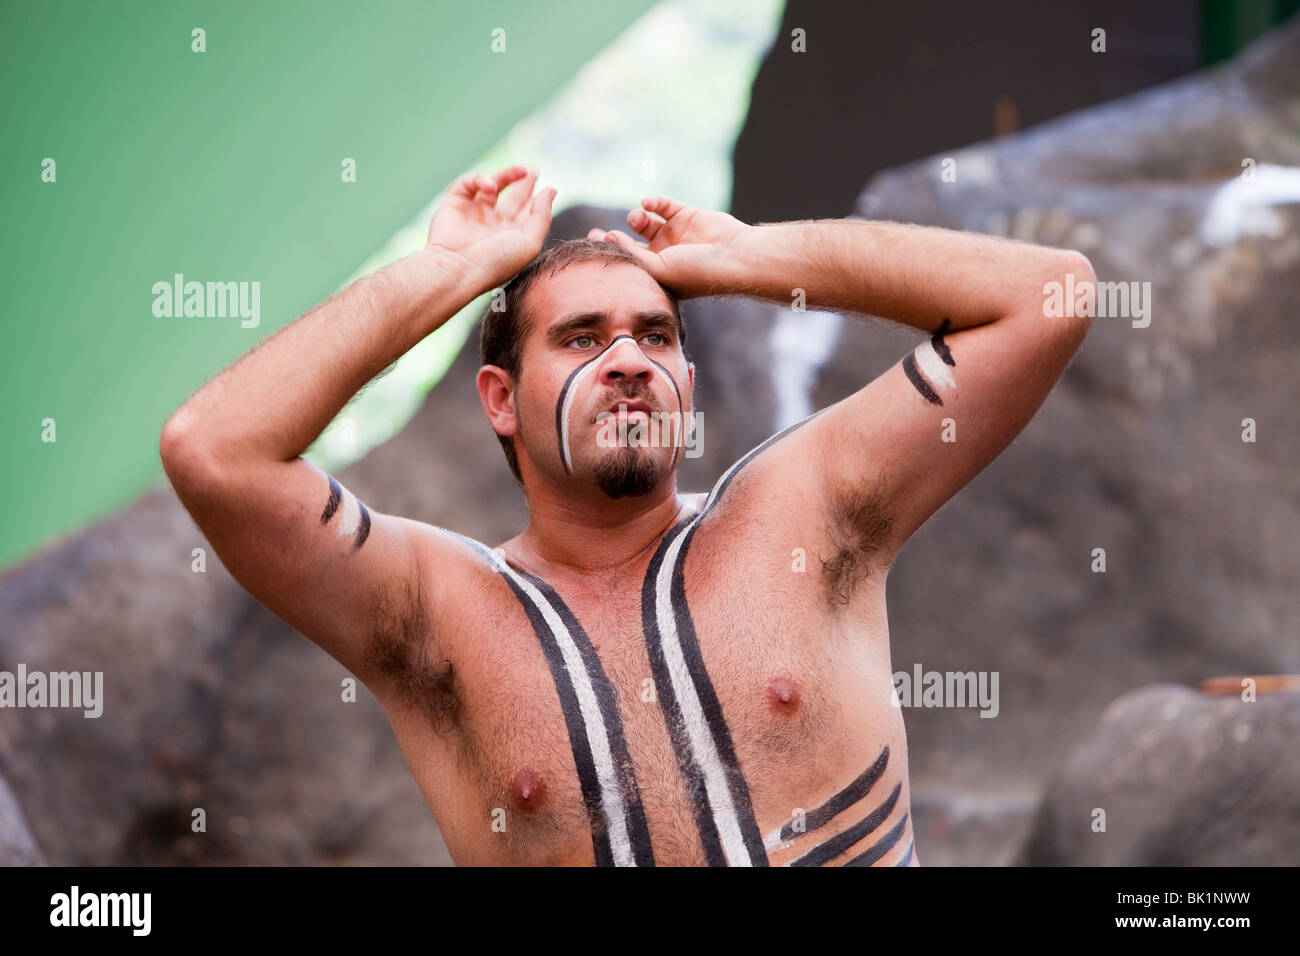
784,696
527,791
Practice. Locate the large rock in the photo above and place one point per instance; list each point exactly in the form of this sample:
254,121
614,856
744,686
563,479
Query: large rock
1183,779
17,846
1139,449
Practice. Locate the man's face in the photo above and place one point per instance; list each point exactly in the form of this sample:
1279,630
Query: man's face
603,333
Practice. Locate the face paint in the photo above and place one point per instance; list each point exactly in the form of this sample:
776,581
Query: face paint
927,366
564,404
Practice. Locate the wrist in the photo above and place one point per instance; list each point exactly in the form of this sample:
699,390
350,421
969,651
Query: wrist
747,260
427,287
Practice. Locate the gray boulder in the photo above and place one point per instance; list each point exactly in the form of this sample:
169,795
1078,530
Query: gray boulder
1172,777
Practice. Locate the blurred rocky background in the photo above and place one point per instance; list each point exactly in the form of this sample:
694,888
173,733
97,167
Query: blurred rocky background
217,704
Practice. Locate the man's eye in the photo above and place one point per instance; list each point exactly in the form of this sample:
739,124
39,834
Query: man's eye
659,335
579,338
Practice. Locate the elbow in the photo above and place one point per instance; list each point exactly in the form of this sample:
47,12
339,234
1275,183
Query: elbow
182,451
1069,293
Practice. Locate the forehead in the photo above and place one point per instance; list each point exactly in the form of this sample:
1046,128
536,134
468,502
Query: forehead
616,288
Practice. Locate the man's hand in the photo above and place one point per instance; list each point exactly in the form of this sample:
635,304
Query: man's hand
495,233
687,246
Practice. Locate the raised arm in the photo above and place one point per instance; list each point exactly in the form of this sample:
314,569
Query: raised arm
297,540
888,456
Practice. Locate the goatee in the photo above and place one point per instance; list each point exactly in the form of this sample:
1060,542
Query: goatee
627,473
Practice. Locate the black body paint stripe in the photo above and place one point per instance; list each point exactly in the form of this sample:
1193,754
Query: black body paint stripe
884,846
638,829
588,780
363,530
713,707
576,726
940,346
841,801
710,839
916,378
331,506
842,841
697,793
907,857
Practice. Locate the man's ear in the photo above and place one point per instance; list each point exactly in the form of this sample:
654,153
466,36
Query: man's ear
496,390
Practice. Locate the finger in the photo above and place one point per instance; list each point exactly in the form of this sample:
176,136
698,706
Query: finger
466,186
517,196
665,207
646,224
486,191
505,177
539,216
624,240
596,234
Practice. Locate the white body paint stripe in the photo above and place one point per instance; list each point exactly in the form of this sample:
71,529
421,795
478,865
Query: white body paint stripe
703,746
611,790
932,367
573,391
349,513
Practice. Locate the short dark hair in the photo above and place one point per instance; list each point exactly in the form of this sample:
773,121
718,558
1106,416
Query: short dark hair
501,340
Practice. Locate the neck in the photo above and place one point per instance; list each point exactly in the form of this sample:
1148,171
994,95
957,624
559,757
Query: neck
595,535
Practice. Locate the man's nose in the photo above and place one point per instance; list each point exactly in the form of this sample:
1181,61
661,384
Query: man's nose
625,360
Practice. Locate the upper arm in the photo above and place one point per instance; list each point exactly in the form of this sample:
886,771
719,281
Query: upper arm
891,454
342,574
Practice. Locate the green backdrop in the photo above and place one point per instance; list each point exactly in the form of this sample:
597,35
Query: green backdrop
225,166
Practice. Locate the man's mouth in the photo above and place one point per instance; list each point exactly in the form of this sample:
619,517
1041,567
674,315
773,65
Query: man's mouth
630,407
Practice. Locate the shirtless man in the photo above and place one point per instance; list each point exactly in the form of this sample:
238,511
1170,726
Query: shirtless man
641,676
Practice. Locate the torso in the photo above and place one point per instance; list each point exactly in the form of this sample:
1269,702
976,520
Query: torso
803,693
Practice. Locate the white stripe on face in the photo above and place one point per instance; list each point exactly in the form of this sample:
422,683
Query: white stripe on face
934,369
566,455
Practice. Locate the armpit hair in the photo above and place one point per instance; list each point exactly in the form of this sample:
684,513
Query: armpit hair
401,648
859,525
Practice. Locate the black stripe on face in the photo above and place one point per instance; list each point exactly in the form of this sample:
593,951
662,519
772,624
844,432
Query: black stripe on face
841,801
884,846
682,411
638,830
573,722
697,793
916,378
940,346
363,529
842,841
331,506
907,857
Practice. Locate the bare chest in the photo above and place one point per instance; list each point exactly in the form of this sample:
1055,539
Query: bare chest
678,718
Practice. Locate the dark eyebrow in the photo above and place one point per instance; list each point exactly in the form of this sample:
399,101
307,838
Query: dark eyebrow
563,328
